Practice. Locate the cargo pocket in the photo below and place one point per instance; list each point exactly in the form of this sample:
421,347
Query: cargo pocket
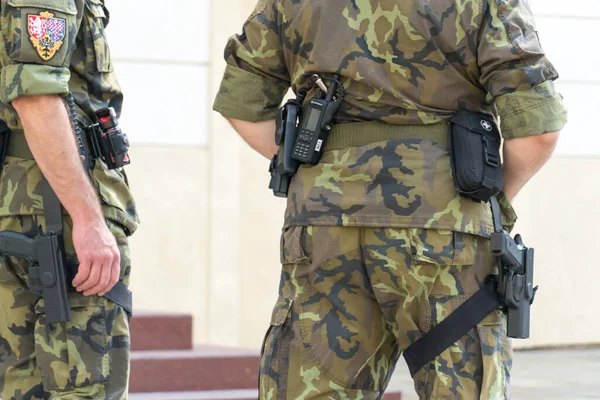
294,245
451,263
94,22
115,196
340,322
73,353
41,31
274,355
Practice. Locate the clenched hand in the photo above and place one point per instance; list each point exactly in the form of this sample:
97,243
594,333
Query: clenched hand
99,257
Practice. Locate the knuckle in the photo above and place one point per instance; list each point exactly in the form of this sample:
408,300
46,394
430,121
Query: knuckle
84,261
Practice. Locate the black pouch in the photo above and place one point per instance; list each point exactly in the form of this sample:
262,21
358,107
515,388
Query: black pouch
475,152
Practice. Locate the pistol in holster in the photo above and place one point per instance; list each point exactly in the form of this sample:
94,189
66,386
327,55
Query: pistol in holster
515,281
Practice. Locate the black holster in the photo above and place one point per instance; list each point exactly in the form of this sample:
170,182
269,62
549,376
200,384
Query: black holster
283,167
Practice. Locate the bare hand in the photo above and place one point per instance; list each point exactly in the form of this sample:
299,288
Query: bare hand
99,257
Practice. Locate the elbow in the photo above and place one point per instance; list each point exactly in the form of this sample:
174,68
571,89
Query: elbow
538,144
541,141
547,140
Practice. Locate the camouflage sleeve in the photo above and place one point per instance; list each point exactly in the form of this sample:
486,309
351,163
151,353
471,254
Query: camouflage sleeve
38,37
516,73
256,78
531,112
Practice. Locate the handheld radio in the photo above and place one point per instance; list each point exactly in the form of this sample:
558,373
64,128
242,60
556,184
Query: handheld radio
316,122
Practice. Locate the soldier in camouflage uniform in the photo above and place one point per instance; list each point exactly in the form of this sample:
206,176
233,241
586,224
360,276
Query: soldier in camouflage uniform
51,48
377,245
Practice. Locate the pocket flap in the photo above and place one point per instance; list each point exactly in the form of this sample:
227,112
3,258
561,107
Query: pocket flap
76,301
281,311
293,246
478,123
442,247
64,6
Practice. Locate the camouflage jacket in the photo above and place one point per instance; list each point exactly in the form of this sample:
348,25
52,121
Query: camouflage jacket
53,47
405,63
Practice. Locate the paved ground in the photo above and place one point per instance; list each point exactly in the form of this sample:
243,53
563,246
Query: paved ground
539,375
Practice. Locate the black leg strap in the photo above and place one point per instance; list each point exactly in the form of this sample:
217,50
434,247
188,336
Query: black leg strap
455,326
121,296
52,210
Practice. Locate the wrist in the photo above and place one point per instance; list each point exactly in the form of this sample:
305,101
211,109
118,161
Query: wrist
88,213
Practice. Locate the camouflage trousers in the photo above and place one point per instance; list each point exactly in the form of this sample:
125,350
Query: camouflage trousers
86,358
350,301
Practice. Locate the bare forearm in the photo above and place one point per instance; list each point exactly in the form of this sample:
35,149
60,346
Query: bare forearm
259,135
523,158
50,136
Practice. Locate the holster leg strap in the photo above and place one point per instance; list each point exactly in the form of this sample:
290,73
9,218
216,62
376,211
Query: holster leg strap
455,326
121,296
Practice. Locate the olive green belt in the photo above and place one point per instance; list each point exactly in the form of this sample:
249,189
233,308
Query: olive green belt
358,134
353,134
18,147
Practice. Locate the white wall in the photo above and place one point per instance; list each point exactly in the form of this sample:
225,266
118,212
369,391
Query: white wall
162,60
569,35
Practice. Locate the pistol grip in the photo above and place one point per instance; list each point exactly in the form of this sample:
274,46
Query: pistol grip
52,278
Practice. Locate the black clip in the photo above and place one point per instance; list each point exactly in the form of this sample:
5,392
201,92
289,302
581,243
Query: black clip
92,137
491,158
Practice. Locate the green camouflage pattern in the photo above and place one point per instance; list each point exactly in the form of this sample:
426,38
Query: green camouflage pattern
401,62
83,66
352,299
547,111
86,358
404,183
378,246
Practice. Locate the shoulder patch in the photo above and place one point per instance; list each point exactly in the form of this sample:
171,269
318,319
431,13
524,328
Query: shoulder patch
46,33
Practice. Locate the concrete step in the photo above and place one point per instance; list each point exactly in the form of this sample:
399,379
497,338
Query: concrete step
218,395
205,395
201,369
156,331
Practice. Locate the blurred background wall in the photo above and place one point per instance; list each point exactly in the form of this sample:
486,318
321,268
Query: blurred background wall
209,239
